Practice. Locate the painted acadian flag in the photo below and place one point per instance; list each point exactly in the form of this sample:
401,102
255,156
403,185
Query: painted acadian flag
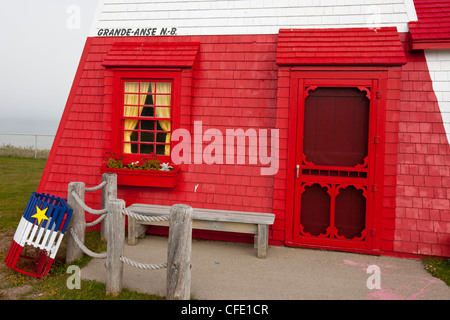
42,226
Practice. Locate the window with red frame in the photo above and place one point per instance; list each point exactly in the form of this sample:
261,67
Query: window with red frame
146,117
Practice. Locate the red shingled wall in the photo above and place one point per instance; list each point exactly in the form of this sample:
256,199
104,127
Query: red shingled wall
237,84
422,223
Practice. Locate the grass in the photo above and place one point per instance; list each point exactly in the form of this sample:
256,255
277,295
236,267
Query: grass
19,177
439,268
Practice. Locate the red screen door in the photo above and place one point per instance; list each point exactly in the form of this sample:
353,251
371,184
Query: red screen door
334,164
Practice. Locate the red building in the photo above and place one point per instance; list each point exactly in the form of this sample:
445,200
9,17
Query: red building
354,98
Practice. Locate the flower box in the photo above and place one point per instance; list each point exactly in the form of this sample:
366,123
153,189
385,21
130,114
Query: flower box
145,178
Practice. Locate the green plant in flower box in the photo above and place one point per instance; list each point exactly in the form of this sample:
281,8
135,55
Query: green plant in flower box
150,163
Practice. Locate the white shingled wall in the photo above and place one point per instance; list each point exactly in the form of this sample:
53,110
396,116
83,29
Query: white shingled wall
439,66
218,17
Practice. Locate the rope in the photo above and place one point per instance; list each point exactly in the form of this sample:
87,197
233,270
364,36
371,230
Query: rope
85,207
141,265
86,250
101,185
93,223
145,218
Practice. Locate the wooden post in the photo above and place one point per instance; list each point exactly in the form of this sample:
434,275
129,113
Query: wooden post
109,192
179,253
77,222
116,238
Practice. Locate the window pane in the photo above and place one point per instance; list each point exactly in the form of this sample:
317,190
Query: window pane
130,136
131,99
147,87
148,99
147,124
147,148
131,87
164,87
160,149
134,136
130,112
130,148
163,112
161,137
147,137
148,112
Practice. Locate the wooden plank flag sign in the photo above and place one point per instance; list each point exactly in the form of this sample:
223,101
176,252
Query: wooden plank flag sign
39,235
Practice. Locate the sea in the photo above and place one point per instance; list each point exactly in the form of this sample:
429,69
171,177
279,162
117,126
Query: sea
28,128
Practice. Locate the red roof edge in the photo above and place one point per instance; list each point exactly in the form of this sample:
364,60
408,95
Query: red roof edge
431,30
166,54
340,46
428,45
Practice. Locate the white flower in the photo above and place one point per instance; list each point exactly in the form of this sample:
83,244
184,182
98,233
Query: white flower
165,167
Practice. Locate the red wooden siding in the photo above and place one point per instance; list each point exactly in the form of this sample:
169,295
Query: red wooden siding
235,82
422,223
233,85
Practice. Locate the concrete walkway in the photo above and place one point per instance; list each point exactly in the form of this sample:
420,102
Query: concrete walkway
231,271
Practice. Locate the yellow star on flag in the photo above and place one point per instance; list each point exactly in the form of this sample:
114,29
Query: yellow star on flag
40,214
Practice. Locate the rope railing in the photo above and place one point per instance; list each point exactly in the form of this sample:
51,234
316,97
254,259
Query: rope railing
85,249
85,207
141,217
103,213
93,223
178,251
101,185
142,265
74,195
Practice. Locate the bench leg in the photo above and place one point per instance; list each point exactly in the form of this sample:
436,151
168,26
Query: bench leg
263,240
141,229
132,232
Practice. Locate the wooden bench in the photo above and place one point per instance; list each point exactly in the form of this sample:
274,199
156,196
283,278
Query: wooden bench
207,219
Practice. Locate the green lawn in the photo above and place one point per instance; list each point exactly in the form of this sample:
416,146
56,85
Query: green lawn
19,177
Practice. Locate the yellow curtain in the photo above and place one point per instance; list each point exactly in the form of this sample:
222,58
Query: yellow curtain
164,112
132,98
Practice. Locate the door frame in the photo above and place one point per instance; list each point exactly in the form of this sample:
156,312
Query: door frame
343,76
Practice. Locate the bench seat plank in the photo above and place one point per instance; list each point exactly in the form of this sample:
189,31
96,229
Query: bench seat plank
208,219
208,214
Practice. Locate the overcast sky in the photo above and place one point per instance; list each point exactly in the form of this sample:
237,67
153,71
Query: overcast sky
41,45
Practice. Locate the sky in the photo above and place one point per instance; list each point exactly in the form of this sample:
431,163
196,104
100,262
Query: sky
41,45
